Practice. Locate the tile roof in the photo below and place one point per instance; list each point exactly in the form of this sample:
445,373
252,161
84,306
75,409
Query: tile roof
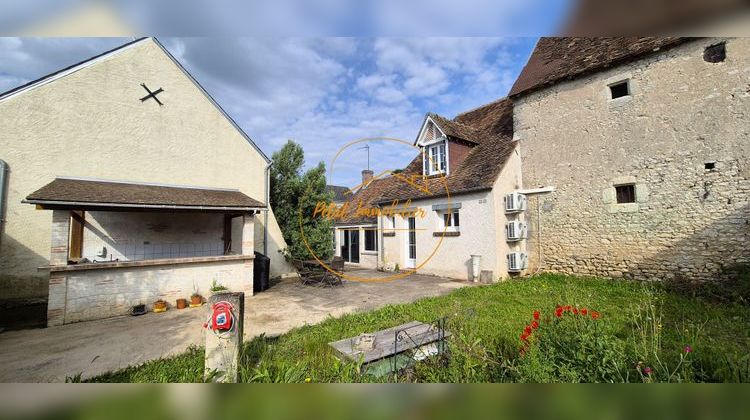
454,129
339,192
490,128
564,58
73,192
368,198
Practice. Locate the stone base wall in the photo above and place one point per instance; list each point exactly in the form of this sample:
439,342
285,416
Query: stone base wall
102,293
682,138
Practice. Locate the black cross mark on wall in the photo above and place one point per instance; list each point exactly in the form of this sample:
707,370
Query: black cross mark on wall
152,94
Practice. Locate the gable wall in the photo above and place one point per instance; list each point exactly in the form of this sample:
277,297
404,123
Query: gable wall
684,112
92,124
509,180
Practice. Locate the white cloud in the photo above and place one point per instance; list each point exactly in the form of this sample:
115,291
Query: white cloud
389,95
322,93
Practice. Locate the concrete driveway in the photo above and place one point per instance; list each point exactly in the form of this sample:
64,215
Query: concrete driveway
95,347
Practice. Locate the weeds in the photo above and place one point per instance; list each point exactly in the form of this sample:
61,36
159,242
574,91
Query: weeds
636,323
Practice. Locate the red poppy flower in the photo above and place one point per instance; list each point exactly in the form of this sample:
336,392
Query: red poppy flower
525,336
558,312
527,330
575,311
534,325
536,315
584,311
567,308
594,315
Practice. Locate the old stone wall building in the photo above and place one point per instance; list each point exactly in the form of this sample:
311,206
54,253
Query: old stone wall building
647,144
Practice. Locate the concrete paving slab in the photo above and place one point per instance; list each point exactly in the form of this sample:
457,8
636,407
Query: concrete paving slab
96,347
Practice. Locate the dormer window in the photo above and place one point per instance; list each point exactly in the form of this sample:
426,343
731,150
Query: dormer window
434,145
434,159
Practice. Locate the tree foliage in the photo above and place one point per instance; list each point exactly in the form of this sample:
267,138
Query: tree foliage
294,193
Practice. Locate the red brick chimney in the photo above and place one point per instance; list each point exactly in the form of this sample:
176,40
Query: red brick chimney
366,177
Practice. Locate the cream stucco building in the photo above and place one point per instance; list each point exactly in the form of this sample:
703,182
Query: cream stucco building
97,122
446,210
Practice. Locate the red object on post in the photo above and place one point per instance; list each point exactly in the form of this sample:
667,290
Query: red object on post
222,318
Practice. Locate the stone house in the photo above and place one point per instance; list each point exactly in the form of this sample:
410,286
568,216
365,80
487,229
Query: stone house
646,141
631,155
144,188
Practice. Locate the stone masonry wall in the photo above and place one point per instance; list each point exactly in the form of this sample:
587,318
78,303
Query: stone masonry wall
682,138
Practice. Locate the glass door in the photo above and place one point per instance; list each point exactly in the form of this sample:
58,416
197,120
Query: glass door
350,245
411,260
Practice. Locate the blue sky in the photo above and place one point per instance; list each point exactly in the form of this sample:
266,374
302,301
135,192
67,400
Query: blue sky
319,92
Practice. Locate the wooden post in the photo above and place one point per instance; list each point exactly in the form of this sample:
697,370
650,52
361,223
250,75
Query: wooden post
223,348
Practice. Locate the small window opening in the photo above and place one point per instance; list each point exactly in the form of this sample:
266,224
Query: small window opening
710,166
715,53
620,89
371,240
451,221
625,193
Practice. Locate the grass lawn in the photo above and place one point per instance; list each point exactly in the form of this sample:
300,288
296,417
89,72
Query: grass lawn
643,321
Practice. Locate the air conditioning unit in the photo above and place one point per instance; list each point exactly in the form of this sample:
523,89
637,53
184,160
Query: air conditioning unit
515,202
515,231
517,261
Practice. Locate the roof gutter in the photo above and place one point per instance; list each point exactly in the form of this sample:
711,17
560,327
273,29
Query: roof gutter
268,208
139,206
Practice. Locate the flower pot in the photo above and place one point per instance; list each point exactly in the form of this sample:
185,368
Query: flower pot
181,303
196,299
160,306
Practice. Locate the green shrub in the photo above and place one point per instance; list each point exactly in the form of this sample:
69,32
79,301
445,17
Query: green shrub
572,346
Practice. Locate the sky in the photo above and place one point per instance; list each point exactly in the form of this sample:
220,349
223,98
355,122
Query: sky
322,93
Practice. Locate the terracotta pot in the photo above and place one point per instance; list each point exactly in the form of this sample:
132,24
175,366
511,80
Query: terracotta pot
181,303
196,300
160,304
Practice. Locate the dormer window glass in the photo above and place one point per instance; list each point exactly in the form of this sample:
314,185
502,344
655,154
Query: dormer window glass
435,159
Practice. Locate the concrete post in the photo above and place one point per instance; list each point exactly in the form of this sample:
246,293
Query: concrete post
248,234
223,350
248,248
60,232
58,282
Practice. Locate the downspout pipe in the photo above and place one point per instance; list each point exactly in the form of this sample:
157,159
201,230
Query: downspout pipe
268,208
3,182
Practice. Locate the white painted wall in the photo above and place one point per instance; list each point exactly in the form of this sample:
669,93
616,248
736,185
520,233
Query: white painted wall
145,235
510,180
449,256
103,293
367,259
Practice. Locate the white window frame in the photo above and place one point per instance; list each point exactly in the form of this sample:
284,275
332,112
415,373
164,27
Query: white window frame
452,227
374,231
430,162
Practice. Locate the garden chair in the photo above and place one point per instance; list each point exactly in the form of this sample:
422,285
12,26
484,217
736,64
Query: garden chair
307,275
337,265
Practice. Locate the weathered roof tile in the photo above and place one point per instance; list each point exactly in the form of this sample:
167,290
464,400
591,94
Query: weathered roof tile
123,194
